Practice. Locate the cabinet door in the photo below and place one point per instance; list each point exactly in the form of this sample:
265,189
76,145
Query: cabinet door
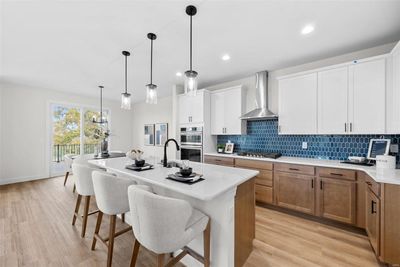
295,191
393,92
197,108
184,111
373,219
368,91
298,105
337,200
217,113
233,111
332,101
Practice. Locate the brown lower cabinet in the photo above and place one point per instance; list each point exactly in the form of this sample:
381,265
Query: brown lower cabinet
295,191
341,195
336,199
372,223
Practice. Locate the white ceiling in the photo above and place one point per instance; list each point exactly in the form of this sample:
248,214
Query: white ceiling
76,45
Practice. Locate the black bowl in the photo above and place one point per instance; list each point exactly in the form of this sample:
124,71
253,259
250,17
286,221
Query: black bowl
186,172
140,162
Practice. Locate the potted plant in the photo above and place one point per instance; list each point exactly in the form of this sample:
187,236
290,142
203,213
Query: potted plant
220,148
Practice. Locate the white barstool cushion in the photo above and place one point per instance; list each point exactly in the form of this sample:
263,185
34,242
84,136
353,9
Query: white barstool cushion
111,192
83,178
162,224
68,162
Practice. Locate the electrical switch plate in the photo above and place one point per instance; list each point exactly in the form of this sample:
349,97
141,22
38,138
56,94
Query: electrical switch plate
304,145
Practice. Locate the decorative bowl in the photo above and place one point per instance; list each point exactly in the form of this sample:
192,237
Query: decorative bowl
186,172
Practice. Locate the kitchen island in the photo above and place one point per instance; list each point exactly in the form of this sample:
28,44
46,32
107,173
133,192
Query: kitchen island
226,195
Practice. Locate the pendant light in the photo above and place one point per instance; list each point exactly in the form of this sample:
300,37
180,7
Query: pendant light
126,97
191,75
151,89
100,120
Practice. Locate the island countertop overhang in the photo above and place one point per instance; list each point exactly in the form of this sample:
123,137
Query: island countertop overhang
218,179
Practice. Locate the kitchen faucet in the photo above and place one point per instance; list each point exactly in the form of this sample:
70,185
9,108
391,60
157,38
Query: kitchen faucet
165,162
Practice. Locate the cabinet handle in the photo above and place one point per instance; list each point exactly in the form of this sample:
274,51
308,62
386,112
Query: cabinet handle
369,183
373,210
351,127
320,185
345,127
294,169
312,183
336,174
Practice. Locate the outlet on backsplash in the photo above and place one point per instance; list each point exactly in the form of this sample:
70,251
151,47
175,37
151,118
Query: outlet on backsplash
304,145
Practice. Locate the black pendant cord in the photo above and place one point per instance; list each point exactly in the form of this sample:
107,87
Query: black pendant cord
151,62
101,104
126,74
191,43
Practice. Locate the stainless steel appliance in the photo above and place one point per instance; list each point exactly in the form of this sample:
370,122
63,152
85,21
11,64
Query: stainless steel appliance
191,143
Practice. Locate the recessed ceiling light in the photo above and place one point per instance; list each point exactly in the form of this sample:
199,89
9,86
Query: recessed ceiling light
307,29
179,74
226,57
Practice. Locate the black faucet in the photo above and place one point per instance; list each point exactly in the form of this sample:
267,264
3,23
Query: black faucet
165,163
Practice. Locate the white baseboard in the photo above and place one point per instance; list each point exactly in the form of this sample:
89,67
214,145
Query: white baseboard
22,179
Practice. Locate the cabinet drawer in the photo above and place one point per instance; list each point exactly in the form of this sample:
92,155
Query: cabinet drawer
264,194
372,185
337,173
294,168
254,164
219,160
264,178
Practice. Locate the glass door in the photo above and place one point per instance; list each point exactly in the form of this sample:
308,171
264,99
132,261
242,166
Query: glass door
73,132
65,135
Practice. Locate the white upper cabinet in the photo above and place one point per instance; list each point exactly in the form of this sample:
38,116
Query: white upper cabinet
332,101
348,98
191,108
298,104
367,97
393,91
227,106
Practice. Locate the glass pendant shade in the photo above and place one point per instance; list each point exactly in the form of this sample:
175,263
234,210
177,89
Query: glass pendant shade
151,94
191,82
126,101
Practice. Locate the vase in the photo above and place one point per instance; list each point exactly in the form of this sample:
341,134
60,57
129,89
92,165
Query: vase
104,148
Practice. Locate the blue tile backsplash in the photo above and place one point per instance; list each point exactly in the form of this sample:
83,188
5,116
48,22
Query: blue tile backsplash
262,136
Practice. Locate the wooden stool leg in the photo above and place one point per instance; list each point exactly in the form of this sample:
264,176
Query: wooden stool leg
206,241
160,260
73,190
97,229
85,215
66,178
123,217
135,253
78,204
113,220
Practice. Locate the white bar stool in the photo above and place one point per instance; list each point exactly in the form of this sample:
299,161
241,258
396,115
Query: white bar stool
164,225
68,166
112,198
84,187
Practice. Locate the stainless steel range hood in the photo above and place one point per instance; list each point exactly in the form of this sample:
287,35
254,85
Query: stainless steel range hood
261,112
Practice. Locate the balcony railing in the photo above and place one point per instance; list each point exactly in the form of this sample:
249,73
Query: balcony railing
60,150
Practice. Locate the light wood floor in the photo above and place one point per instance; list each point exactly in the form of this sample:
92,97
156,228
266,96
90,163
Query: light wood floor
36,230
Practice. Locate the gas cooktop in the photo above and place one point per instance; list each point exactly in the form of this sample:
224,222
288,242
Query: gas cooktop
270,155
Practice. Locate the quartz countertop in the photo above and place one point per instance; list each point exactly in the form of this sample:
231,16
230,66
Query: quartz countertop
217,179
380,176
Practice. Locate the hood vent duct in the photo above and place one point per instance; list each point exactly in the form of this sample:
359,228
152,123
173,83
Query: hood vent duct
261,112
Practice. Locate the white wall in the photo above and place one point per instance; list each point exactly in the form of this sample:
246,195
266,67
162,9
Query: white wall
151,114
249,82
24,132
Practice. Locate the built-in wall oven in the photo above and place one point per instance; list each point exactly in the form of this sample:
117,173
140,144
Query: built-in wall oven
191,139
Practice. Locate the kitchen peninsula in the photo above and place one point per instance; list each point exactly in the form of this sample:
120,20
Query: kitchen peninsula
226,195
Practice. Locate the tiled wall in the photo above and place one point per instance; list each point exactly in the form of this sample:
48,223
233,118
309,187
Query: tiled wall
262,136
